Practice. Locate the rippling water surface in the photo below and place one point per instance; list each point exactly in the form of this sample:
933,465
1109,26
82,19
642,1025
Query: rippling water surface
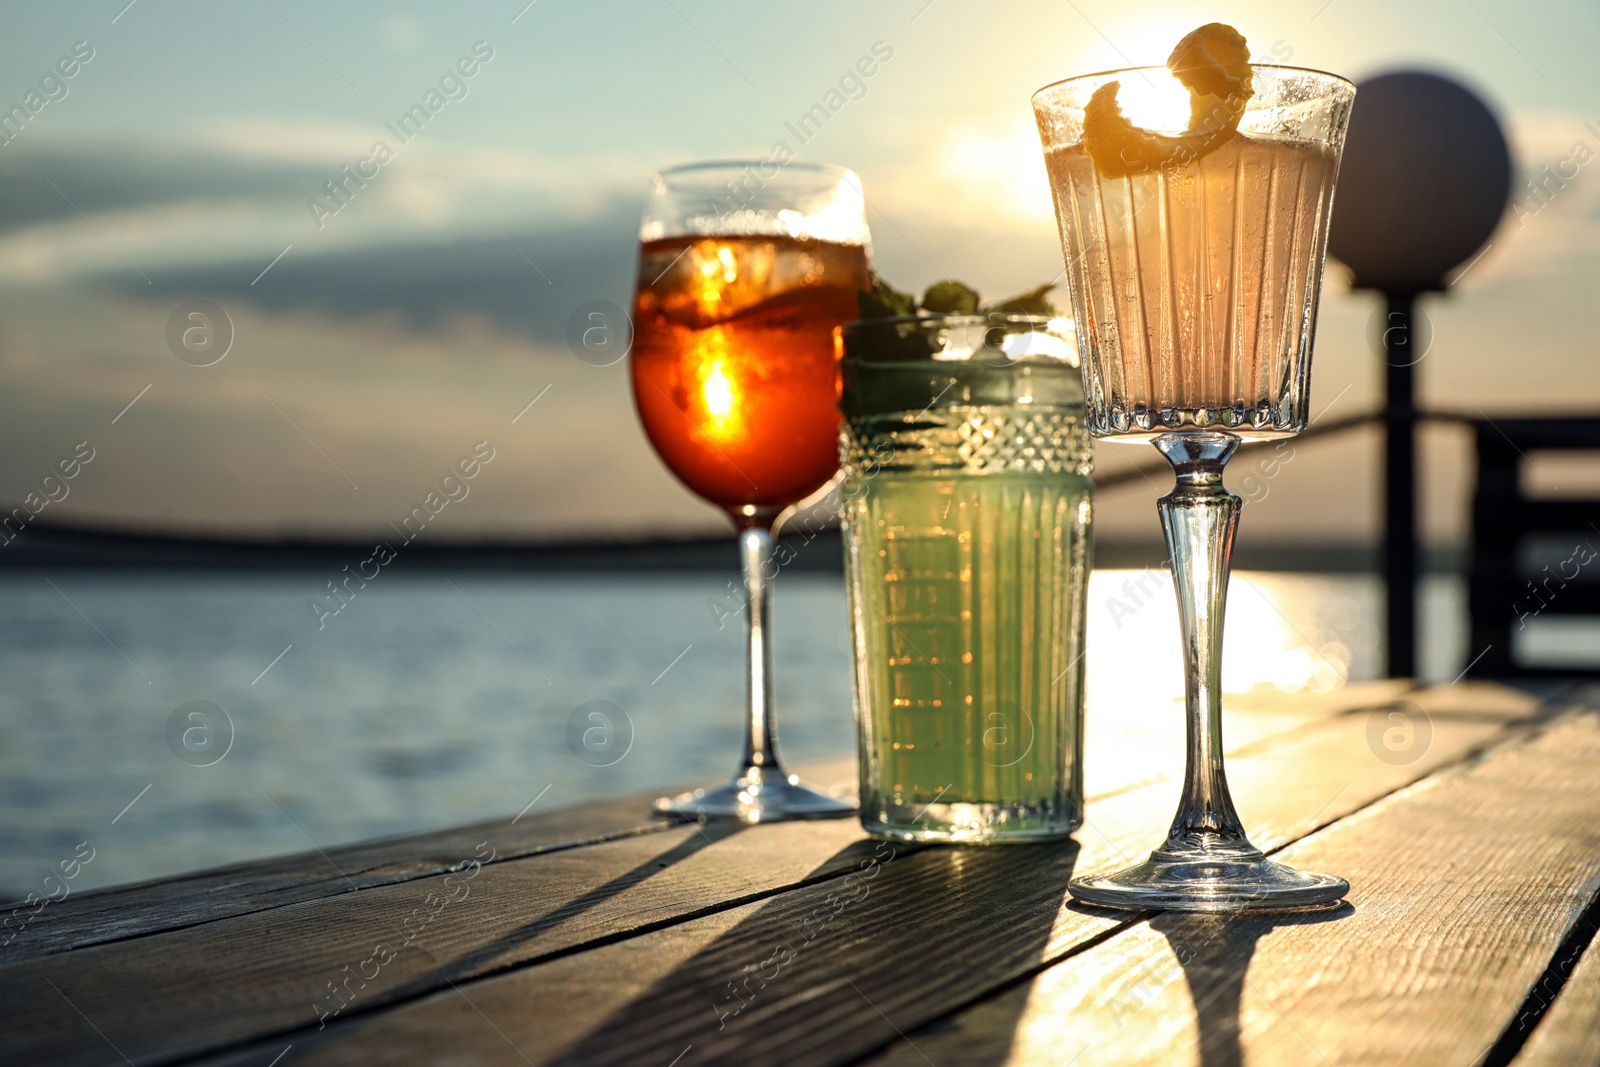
431,700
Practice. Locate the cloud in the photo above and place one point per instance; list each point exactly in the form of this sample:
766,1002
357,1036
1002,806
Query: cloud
1553,222
525,281
989,176
44,182
388,405
414,323
240,195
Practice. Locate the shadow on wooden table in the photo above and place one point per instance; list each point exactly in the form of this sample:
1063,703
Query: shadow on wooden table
1214,951
832,971
491,952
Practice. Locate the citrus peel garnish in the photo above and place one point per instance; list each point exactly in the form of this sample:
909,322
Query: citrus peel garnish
1213,63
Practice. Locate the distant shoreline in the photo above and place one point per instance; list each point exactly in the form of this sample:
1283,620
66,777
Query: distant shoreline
63,546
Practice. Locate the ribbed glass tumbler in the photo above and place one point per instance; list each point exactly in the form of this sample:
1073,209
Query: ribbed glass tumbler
968,507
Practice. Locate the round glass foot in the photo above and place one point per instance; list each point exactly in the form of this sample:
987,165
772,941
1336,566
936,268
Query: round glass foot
1204,884
758,795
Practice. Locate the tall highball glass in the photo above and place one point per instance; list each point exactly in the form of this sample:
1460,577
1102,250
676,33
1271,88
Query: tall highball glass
1194,285
745,269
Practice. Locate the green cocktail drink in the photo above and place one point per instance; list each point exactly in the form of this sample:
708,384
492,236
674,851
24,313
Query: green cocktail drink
967,509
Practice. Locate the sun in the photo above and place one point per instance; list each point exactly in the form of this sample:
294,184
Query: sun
1155,100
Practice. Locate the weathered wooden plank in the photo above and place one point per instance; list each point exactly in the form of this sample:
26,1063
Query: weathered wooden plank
1307,704
1569,1031
1156,731
1473,698
145,908
821,969
286,968
1461,888
327,941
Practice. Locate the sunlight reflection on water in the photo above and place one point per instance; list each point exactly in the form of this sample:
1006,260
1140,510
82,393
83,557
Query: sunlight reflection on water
1284,632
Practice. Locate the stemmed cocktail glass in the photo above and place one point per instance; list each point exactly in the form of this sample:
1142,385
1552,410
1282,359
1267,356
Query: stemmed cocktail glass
1194,262
744,271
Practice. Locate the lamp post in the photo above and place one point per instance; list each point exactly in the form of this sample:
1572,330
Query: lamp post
1425,180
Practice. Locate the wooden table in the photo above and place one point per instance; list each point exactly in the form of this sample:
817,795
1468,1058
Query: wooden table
599,935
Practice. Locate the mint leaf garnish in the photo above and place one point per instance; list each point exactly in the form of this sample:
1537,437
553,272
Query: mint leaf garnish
1032,302
950,298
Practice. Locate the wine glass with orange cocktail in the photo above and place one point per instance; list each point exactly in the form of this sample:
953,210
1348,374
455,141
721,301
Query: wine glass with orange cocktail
744,271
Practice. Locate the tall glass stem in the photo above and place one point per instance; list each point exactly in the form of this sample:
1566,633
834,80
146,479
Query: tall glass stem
762,792
755,557
1207,862
1200,518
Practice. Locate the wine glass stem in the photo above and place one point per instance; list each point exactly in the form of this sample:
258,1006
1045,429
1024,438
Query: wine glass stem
1199,518
755,557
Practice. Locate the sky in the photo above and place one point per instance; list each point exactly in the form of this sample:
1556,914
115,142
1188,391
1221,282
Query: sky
372,347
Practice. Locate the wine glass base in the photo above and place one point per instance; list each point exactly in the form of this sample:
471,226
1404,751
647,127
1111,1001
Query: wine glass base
756,796
1202,884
